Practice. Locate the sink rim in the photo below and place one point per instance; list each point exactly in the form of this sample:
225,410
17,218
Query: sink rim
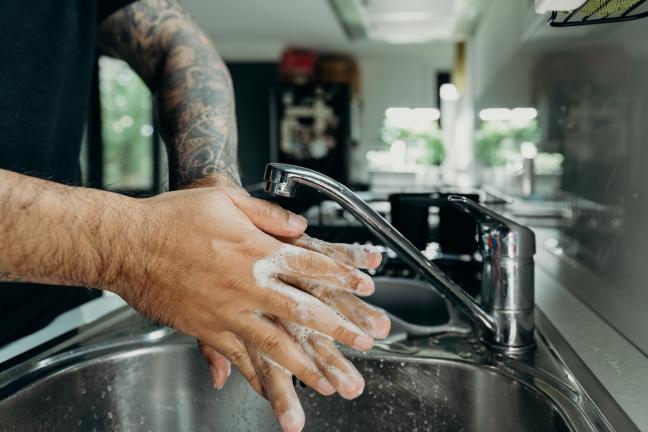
129,347
575,405
71,361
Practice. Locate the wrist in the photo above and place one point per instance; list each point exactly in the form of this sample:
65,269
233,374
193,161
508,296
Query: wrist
223,180
121,231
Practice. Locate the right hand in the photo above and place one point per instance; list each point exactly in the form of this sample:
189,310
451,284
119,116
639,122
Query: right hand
274,383
192,265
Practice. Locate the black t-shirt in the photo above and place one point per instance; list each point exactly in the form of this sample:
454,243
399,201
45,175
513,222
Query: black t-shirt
46,56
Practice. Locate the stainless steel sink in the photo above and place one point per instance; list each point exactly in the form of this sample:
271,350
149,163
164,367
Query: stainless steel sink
132,376
411,300
166,388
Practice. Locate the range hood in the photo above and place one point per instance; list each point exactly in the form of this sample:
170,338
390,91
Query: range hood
407,21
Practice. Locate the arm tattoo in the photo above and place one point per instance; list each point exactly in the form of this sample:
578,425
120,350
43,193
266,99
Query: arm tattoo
193,89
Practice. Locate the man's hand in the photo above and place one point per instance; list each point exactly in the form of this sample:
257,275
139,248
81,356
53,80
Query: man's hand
273,382
204,268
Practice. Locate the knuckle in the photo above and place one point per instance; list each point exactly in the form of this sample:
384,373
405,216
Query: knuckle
312,263
272,211
306,373
265,368
334,357
238,357
341,334
271,345
323,293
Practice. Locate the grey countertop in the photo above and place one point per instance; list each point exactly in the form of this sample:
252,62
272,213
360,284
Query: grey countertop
64,323
620,367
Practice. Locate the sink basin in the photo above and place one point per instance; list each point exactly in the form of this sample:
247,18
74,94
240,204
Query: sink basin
166,388
411,300
123,373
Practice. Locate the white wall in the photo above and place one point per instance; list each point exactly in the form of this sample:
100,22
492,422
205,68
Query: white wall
396,77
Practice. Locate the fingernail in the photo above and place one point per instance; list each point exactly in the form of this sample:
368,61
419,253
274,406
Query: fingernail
216,379
380,326
325,387
366,287
298,223
354,387
293,420
363,343
375,258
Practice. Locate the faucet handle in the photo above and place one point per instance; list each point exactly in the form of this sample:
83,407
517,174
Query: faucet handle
498,235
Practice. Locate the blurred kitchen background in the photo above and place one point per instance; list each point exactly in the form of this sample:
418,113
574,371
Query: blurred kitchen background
407,101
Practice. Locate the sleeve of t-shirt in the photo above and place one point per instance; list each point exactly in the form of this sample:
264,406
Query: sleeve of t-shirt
107,7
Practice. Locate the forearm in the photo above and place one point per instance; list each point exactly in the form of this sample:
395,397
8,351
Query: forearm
55,234
196,111
193,89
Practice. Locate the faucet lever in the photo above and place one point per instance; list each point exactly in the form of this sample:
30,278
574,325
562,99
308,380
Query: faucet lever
497,233
507,291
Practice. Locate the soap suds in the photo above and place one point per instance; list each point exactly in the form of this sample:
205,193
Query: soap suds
355,255
266,271
310,340
273,363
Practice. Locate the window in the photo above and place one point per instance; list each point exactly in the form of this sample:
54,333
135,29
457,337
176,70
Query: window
124,153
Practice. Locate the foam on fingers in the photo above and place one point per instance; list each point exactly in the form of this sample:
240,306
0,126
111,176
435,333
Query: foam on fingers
277,383
338,370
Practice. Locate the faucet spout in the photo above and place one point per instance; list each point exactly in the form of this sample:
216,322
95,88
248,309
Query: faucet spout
507,304
282,179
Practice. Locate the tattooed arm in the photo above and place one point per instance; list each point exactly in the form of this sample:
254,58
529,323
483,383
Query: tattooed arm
192,87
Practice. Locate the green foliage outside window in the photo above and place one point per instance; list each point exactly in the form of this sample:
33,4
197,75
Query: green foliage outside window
127,130
497,141
428,142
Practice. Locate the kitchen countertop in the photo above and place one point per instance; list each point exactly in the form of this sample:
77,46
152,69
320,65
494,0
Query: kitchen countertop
70,320
620,366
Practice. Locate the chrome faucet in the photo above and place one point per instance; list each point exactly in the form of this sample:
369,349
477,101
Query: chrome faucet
507,299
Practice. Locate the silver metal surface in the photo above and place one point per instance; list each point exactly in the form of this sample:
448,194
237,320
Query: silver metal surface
511,329
507,273
528,177
414,310
160,382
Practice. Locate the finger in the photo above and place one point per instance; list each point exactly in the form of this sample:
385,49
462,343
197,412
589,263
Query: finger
300,263
370,320
373,322
229,346
263,335
338,370
270,217
354,255
219,366
278,385
287,303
